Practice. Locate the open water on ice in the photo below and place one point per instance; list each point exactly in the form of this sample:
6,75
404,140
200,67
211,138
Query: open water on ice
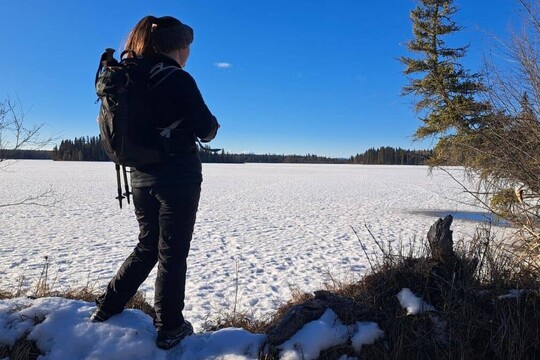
261,228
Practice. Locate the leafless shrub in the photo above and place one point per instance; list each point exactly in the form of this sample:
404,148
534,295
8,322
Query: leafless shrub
16,135
508,149
503,153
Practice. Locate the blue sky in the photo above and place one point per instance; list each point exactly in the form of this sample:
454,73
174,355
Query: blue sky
301,76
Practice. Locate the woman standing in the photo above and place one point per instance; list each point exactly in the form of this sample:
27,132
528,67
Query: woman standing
165,196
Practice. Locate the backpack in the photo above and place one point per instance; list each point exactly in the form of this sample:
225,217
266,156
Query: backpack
127,130
125,120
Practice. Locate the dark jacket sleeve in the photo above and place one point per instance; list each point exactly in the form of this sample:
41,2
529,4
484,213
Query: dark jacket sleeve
196,115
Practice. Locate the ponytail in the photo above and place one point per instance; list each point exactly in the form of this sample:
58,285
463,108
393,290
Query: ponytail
152,35
140,38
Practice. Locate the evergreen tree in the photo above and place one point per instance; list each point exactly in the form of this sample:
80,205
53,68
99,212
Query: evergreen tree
445,91
392,156
80,149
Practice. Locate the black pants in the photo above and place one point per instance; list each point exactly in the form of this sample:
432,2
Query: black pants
166,217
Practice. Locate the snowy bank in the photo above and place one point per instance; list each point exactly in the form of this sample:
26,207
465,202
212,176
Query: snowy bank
61,330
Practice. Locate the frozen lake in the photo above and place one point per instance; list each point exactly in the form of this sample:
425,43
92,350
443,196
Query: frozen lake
261,228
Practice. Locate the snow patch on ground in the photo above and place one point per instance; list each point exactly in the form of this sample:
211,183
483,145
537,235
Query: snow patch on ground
62,330
512,294
366,333
326,332
414,304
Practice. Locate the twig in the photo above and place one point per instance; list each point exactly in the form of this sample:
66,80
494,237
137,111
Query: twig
363,248
236,287
34,200
486,248
376,242
42,286
473,194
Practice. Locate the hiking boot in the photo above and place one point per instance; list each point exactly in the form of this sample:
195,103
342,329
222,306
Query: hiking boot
99,316
168,339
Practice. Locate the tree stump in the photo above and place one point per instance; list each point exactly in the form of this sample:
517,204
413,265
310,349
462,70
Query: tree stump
440,241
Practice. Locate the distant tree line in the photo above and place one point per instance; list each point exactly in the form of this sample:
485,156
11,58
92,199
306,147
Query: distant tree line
89,149
25,154
80,149
225,157
391,156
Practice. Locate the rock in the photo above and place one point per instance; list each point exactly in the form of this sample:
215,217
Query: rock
345,308
299,315
295,319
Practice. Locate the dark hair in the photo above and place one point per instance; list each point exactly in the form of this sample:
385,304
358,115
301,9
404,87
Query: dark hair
152,35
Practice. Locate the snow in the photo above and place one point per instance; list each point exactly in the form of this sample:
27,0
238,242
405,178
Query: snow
366,333
66,333
261,229
314,337
326,332
62,330
414,304
512,294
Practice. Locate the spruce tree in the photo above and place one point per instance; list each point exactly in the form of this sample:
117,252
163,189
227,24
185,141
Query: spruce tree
444,90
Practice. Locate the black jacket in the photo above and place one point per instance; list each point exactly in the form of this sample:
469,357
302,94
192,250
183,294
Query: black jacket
180,112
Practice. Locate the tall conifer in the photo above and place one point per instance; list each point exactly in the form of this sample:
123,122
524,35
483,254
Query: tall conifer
444,90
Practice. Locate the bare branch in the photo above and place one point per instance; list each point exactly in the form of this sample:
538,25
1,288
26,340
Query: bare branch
16,135
45,199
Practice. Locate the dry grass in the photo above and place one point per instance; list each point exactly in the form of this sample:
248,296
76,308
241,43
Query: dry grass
474,319
236,320
244,320
4,351
138,302
5,294
24,350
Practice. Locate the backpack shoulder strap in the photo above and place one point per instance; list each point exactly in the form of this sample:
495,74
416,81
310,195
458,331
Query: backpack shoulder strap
166,132
160,72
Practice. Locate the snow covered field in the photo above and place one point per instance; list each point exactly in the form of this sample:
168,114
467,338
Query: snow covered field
261,228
